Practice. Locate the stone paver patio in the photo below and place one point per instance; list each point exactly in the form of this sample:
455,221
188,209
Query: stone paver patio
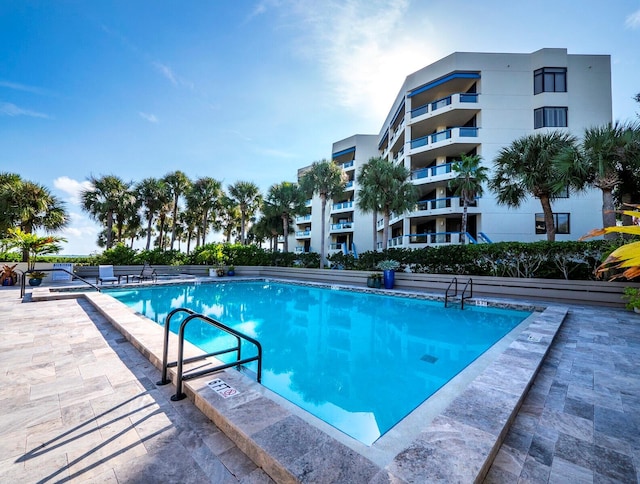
580,421
80,404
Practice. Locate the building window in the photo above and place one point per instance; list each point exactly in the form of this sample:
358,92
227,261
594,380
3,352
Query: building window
550,79
561,221
550,117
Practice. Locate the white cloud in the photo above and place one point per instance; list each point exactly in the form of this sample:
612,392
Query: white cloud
149,117
633,20
72,188
23,87
362,47
81,235
166,72
10,109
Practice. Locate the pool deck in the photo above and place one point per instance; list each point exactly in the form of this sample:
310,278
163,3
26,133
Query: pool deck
80,403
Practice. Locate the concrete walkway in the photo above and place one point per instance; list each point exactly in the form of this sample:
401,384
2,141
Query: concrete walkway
80,404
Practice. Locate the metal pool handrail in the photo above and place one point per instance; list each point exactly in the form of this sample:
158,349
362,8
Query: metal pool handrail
23,287
180,376
454,283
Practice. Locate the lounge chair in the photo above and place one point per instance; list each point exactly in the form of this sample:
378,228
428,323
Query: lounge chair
105,274
147,272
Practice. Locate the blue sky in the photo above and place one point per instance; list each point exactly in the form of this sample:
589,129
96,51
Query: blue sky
247,90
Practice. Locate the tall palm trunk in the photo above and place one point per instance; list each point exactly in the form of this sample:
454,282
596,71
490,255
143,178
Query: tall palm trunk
109,229
465,215
375,231
548,218
608,215
149,221
174,223
285,231
385,230
323,210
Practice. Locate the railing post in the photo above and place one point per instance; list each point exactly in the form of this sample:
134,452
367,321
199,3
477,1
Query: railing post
165,350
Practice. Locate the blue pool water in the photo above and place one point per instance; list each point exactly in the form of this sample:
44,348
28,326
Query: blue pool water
361,362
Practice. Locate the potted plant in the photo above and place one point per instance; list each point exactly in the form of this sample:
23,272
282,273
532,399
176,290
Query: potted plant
220,271
35,278
231,271
388,268
8,276
212,272
374,280
32,245
632,296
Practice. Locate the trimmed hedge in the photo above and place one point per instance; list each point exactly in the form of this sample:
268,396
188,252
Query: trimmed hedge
550,260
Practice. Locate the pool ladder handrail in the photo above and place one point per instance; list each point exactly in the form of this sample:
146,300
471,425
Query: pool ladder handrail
179,363
454,284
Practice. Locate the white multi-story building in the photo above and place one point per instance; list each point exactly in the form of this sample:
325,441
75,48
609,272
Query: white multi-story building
470,103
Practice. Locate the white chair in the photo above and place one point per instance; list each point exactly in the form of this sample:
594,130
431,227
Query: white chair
105,274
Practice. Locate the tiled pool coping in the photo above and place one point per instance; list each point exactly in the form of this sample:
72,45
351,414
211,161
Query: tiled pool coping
456,442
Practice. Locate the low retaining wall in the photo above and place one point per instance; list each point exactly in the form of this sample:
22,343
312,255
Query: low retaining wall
601,293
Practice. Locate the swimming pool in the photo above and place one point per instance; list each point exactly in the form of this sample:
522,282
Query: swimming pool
361,362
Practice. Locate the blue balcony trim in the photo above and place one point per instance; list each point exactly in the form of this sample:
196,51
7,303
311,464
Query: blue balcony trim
385,137
344,152
468,97
442,80
398,111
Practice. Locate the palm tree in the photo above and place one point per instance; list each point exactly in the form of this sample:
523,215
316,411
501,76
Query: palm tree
229,217
528,167
468,184
246,196
268,227
29,205
190,220
327,180
177,183
204,198
33,245
287,200
384,187
599,161
102,201
127,215
8,186
151,192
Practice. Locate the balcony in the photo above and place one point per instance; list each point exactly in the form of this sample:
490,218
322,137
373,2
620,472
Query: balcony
347,165
454,99
303,218
335,246
307,203
341,227
453,134
396,241
399,154
337,207
303,234
435,171
392,218
349,185
440,203
300,250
